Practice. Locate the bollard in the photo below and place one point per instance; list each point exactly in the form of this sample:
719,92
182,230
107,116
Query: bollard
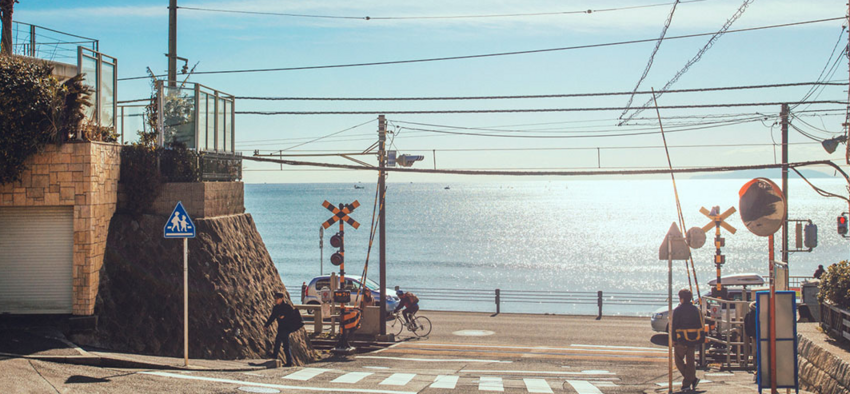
599,302
498,301
317,321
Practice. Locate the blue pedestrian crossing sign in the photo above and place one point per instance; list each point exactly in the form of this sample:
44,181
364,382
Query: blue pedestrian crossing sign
179,224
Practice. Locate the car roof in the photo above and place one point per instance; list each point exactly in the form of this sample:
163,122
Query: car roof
739,280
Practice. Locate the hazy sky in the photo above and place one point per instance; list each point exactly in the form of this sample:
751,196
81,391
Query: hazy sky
136,32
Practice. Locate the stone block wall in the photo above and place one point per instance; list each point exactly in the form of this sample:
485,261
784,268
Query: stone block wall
201,199
821,371
83,175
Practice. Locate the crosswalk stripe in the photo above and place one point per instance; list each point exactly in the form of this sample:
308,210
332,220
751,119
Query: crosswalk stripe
276,386
398,379
584,387
306,374
444,382
490,383
537,386
351,377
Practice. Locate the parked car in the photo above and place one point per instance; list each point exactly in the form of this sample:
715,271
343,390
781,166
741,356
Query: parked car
311,296
737,287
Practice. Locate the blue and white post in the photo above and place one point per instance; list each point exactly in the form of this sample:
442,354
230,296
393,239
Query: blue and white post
179,225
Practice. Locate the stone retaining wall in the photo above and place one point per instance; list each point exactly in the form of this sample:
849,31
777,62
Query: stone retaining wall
83,175
821,371
201,199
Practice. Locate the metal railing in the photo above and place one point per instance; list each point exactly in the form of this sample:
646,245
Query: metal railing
48,44
499,296
727,319
794,282
835,321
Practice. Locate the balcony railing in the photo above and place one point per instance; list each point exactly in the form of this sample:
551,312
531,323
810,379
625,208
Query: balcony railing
196,115
101,74
48,44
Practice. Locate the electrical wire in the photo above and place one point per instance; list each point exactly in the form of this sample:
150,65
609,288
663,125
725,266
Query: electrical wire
486,55
329,135
651,58
831,54
539,96
529,110
369,18
694,59
820,191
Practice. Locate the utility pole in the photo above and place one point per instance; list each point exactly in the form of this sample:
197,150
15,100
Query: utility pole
382,230
783,116
172,43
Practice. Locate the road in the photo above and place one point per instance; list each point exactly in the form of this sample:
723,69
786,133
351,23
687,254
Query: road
465,353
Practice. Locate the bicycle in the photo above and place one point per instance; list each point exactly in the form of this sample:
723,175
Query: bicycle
419,326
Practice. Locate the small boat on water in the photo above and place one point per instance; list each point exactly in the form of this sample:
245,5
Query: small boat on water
446,188
358,187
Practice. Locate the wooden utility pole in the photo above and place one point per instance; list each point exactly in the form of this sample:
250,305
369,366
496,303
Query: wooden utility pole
7,7
172,43
382,230
783,116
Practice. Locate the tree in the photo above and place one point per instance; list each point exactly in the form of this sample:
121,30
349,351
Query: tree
6,9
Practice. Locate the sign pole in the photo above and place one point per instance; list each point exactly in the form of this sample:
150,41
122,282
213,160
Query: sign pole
670,314
186,301
772,319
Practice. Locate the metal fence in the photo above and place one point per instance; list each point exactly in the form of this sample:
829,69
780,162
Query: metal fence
48,44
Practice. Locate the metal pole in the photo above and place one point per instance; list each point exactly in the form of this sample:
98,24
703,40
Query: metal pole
32,40
498,301
772,318
382,230
343,343
670,314
599,303
783,114
172,44
321,250
186,301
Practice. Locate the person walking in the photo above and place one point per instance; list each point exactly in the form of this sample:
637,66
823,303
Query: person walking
288,321
688,333
818,272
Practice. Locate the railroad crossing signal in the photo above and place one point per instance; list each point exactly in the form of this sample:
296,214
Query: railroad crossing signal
718,221
341,214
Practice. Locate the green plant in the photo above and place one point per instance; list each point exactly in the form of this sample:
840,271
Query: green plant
835,285
179,164
27,97
140,177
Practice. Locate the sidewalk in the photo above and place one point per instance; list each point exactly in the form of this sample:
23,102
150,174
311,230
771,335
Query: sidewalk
51,345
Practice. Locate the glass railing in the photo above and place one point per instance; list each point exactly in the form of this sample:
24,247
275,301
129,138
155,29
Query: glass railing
100,73
196,115
48,44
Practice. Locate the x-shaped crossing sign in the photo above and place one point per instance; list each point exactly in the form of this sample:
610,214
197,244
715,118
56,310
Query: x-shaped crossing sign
715,217
341,214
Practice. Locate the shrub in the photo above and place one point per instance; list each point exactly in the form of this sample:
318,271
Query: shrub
835,285
26,98
140,177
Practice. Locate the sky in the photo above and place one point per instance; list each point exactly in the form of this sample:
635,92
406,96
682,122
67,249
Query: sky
136,33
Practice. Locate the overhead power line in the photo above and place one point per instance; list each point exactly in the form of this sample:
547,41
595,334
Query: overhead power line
651,57
723,30
514,53
370,18
538,96
526,110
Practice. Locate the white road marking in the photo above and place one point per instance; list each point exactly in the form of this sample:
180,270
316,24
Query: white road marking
444,382
398,379
537,386
720,374
306,374
351,377
275,386
541,372
574,348
619,347
490,383
437,360
584,387
374,367
664,384
252,374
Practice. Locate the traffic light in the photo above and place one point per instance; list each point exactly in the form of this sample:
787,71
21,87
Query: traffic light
336,242
842,225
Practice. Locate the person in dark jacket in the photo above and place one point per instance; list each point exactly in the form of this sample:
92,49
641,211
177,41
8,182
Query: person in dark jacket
285,315
818,272
687,330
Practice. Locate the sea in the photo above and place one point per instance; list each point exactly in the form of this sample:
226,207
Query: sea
551,237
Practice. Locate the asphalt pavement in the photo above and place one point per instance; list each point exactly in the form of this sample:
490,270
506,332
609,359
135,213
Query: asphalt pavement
464,353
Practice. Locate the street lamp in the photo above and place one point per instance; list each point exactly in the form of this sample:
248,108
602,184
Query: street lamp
832,143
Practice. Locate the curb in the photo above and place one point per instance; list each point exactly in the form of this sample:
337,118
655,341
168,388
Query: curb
111,362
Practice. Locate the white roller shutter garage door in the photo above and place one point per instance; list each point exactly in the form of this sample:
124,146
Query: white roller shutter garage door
36,260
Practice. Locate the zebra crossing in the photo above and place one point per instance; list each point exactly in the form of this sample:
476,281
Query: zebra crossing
586,382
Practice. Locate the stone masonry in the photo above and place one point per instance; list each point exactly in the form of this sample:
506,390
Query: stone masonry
201,199
83,175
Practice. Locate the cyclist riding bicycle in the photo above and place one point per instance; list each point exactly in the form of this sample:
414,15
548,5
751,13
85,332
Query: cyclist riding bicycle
410,302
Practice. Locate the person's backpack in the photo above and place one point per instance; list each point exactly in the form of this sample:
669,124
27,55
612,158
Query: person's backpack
413,298
293,321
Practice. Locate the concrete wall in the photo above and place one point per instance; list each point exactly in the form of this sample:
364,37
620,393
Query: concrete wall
201,199
85,176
